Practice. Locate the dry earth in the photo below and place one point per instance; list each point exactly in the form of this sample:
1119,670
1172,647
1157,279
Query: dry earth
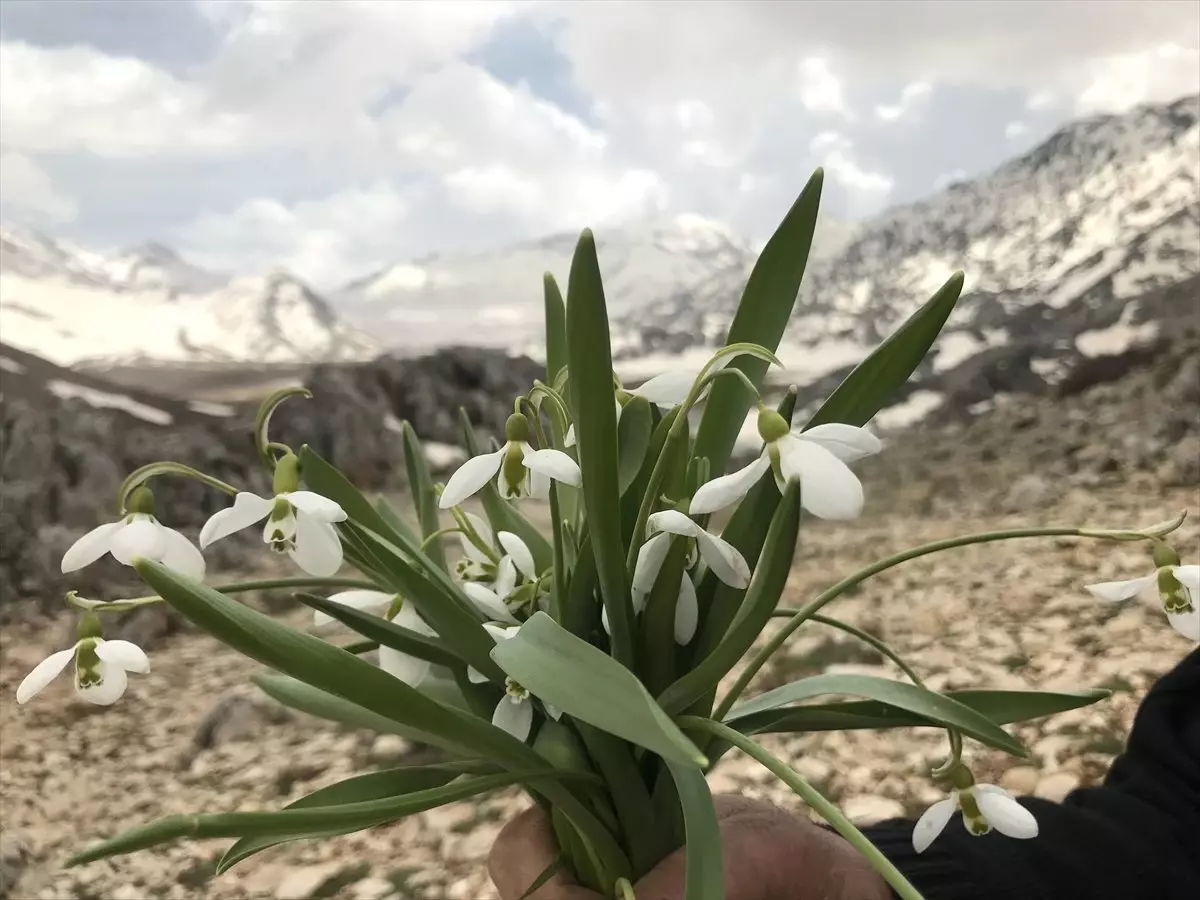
193,736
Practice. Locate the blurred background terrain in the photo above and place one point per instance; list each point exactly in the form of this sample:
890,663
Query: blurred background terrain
204,201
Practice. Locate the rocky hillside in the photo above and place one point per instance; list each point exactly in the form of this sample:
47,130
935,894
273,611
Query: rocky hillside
68,439
1068,251
72,304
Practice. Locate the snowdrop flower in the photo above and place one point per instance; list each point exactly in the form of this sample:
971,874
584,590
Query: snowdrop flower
670,389
407,668
721,557
100,670
520,471
514,712
817,458
366,601
137,534
984,807
1176,586
299,523
504,570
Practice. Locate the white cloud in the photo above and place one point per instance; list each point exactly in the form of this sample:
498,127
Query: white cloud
76,98
910,97
820,90
833,150
25,189
1119,82
1015,129
323,241
1039,100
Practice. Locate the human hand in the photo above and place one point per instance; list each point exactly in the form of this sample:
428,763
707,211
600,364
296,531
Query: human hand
769,854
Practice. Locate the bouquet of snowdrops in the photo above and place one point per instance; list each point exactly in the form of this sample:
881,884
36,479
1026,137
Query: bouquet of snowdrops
585,664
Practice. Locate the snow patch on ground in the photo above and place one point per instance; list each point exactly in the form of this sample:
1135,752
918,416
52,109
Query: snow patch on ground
66,390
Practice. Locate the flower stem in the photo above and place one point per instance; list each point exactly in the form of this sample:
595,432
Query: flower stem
556,543
802,615
234,587
143,474
814,798
865,637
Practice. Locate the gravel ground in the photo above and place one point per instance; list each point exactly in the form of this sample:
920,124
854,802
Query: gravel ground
192,735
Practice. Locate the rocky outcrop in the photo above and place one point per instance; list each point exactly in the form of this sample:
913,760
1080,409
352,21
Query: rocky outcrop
68,439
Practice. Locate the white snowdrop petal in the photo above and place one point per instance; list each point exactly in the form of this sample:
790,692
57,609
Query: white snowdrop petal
828,489
645,571
728,489
475,676
500,632
1189,577
312,504
110,688
1187,623
604,621
90,547
409,618
724,559
181,555
519,553
514,716
552,711
318,549
505,581
43,673
673,522
409,669
1118,591
246,510
847,442
1006,815
364,600
932,823
470,477
553,463
141,537
569,437
668,389
488,602
687,612
124,655
537,485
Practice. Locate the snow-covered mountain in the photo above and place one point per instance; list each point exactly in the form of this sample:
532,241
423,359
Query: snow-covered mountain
71,305
1057,245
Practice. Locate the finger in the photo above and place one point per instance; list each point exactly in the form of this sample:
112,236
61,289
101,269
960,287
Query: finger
522,853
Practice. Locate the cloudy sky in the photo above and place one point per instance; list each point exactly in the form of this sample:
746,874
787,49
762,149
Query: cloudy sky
334,137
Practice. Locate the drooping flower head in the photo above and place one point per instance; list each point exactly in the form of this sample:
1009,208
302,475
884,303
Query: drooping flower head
101,666
514,712
817,458
519,470
299,523
1176,587
984,807
138,533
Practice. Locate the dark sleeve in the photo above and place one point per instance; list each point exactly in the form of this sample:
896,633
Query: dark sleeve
1137,837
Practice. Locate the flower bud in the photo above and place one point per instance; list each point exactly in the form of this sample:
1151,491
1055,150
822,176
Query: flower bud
771,425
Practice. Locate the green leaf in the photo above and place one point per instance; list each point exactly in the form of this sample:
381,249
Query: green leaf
359,789
571,674
556,328
392,518
384,632
293,693
770,577
932,706
501,514
420,484
339,819
761,318
327,481
633,440
344,675
591,388
704,877
556,866
439,603
869,387
1001,707
581,615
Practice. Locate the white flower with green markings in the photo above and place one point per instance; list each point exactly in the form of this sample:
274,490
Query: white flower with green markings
984,807
721,557
362,600
1176,587
101,670
519,470
514,712
817,458
299,523
137,534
